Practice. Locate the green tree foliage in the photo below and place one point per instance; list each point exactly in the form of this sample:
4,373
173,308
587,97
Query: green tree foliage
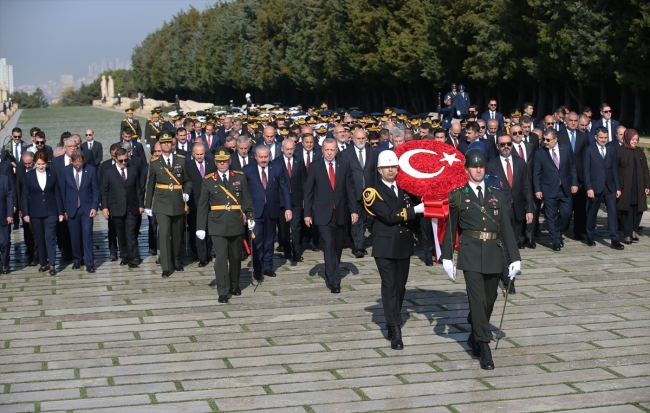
398,52
26,101
84,96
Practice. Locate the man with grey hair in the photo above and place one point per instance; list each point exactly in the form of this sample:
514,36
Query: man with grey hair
29,236
241,157
58,165
339,134
395,140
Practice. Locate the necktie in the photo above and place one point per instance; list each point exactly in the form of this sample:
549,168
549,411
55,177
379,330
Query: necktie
509,172
392,187
225,179
480,195
342,147
289,167
332,176
525,138
556,161
123,175
77,179
521,152
602,151
244,160
491,115
90,146
264,181
202,170
573,140
209,141
361,158
609,131
308,160
169,164
16,151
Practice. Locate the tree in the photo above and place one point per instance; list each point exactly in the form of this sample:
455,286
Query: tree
27,101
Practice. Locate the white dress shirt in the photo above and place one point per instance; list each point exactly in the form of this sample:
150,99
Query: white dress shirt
66,160
119,170
388,184
42,179
523,149
327,165
266,171
74,175
475,188
169,158
557,153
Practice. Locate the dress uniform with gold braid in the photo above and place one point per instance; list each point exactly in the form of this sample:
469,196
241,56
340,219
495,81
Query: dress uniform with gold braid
485,230
134,125
222,206
153,127
166,186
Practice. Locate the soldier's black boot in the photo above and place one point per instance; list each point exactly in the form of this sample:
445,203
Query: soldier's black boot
389,334
396,339
473,344
486,356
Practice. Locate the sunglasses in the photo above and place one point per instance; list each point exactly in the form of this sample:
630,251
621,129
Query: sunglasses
504,144
518,133
39,142
548,140
607,111
491,106
481,127
121,160
374,144
17,136
89,134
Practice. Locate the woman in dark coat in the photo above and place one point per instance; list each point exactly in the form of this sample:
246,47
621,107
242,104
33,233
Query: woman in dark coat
635,184
42,208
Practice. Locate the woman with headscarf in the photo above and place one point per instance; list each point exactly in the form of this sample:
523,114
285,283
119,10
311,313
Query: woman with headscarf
635,184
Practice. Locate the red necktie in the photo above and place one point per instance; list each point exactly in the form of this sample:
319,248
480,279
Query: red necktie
264,182
509,172
332,176
308,160
289,167
244,158
521,152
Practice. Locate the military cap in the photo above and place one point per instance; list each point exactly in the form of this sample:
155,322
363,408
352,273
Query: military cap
284,131
374,128
475,157
312,121
165,136
321,130
461,87
453,86
128,110
157,109
515,113
435,123
155,113
221,153
448,96
323,105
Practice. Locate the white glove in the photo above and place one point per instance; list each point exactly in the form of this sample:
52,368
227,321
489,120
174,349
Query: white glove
186,197
448,265
458,112
514,269
148,146
251,225
200,235
419,208
148,212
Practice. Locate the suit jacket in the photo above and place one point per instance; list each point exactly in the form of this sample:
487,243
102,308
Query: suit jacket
138,151
529,152
38,202
547,177
216,141
363,177
168,125
46,148
322,203
582,142
197,181
222,133
278,150
235,165
8,195
462,102
296,180
94,156
498,116
276,187
316,152
20,181
520,192
142,168
8,149
87,194
601,173
490,145
391,235
384,146
599,122
183,151
534,139
119,196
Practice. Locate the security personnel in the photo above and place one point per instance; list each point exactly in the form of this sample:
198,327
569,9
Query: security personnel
392,241
168,186
225,207
480,213
132,123
153,128
447,113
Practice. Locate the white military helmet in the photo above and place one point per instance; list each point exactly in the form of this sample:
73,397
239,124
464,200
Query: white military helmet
387,158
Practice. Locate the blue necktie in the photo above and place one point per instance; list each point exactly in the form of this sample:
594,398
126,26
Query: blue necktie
573,141
602,151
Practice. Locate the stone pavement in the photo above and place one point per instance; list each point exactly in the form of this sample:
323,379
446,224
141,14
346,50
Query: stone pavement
123,340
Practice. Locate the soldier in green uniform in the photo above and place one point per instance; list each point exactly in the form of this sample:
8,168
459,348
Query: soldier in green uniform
168,186
479,213
132,123
153,127
225,206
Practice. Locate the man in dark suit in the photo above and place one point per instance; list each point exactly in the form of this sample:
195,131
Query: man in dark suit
602,183
103,169
242,156
196,132
137,149
577,141
58,165
92,150
330,203
26,165
270,142
40,144
363,165
526,123
472,135
606,121
80,193
15,148
198,168
182,144
266,183
7,195
526,151
123,203
308,151
296,176
492,113
225,129
211,138
555,179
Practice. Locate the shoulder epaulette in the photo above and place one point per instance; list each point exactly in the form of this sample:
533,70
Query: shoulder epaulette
239,172
369,197
494,187
154,158
125,120
180,156
454,197
209,176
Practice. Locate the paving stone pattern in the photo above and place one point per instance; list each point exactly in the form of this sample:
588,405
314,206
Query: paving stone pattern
126,340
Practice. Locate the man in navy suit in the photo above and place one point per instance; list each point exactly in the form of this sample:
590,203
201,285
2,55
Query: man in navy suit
555,179
7,195
606,121
137,149
241,157
58,164
211,138
308,151
197,169
266,183
269,141
225,129
602,183
15,148
330,203
80,193
492,113
92,150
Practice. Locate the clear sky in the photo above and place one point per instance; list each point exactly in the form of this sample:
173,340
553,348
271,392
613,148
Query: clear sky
44,39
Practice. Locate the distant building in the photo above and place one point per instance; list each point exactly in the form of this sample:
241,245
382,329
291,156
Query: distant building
67,79
7,74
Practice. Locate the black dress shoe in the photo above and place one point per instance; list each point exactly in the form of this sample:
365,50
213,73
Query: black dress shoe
33,263
235,291
223,299
6,270
179,268
203,263
617,245
213,283
627,241
486,356
591,243
157,261
531,244
134,263
280,248
335,289
561,244
297,259
557,247
243,256
90,269
270,273
123,261
52,271
259,277
521,245
359,254
512,288
166,274
43,268
152,251
76,266
635,239
112,258
428,261
473,344
313,247
396,342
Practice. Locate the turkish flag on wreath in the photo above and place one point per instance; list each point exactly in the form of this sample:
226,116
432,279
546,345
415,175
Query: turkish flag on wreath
431,169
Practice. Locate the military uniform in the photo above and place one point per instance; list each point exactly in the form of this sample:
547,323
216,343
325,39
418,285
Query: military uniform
166,185
132,124
153,127
220,209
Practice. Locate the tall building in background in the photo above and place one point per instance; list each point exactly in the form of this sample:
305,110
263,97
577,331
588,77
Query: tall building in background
7,74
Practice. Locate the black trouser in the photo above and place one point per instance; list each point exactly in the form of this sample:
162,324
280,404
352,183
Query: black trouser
580,211
482,294
394,274
63,239
630,220
126,231
358,229
426,237
30,241
201,247
153,232
332,235
227,265
45,230
532,227
291,232
112,239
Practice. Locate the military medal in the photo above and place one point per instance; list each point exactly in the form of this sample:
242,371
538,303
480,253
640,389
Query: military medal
496,212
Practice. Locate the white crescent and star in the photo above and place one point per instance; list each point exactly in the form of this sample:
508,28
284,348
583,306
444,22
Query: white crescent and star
405,163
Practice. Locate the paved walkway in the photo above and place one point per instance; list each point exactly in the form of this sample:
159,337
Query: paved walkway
11,123
123,340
